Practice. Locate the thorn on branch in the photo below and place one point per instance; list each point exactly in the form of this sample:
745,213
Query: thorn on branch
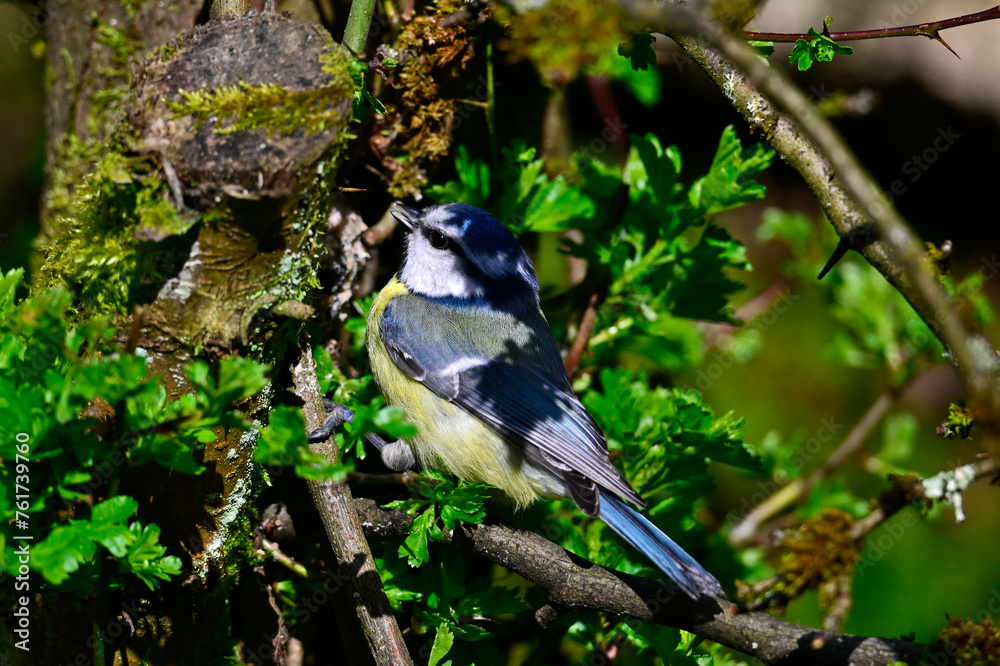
938,38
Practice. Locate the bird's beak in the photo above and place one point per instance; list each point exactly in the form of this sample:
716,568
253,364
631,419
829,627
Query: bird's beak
409,217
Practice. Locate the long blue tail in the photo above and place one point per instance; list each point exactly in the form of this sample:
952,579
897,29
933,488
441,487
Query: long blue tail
658,547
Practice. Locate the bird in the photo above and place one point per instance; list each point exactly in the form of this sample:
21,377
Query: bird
458,340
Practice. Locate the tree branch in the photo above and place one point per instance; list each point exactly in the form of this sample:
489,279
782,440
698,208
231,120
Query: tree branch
930,29
849,196
334,502
947,485
745,530
575,584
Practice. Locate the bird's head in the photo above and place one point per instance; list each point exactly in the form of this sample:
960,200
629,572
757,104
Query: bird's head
459,251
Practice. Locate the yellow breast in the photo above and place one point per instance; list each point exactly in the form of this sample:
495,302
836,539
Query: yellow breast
448,436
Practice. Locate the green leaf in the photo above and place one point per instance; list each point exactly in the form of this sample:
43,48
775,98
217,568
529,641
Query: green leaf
415,548
456,504
646,85
8,289
114,510
62,552
146,558
818,48
639,51
325,372
472,186
67,547
363,99
392,421
104,524
876,327
554,205
443,640
802,55
652,169
464,504
764,49
702,285
526,198
729,181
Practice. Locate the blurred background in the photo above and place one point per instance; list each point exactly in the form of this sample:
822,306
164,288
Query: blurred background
916,115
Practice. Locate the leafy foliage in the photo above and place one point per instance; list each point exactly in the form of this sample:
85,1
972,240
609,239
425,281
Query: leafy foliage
818,48
886,333
438,496
282,442
363,99
85,413
653,268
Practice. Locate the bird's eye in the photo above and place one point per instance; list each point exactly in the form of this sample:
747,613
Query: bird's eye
438,240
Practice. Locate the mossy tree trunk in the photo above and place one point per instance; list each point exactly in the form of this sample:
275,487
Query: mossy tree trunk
189,181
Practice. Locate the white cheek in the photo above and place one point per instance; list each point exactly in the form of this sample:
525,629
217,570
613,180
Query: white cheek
433,273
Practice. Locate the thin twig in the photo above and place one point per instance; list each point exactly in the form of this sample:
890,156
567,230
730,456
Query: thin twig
745,531
583,335
747,312
359,20
929,29
981,469
890,503
282,558
368,477
382,230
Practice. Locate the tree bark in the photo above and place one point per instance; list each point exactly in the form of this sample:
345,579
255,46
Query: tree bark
195,237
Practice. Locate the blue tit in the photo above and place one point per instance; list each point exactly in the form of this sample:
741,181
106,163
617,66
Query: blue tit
458,340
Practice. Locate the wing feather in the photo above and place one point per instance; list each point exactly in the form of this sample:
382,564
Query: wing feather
523,402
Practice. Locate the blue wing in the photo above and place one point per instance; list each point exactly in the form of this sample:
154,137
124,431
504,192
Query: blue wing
513,384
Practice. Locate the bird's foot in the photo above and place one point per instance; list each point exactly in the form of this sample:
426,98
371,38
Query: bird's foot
337,415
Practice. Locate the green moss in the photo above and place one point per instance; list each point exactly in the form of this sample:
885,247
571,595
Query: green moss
265,106
132,7
124,200
70,81
566,38
166,52
968,643
117,40
336,63
98,256
77,156
270,107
